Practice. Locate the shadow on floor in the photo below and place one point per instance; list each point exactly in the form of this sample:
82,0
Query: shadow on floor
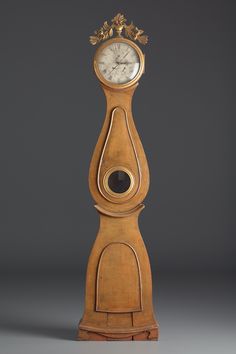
40,329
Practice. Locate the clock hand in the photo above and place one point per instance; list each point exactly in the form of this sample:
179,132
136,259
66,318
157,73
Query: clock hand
113,68
118,63
125,55
125,62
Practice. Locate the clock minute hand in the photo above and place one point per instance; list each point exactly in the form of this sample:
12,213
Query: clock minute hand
125,62
118,63
113,69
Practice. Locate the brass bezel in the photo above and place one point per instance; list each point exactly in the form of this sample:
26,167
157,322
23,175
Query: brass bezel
141,67
106,185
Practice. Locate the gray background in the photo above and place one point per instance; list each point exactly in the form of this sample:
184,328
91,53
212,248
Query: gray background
51,113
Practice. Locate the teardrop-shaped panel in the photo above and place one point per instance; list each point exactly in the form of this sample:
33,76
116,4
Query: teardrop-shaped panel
119,159
118,280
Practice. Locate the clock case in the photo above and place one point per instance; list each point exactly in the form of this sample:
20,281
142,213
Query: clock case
118,295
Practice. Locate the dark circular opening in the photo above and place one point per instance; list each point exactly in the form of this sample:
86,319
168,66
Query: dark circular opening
119,181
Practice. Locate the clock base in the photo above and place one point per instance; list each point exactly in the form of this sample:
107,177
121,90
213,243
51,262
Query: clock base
118,303
118,335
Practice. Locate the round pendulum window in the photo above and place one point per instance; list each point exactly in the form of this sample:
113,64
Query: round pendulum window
118,181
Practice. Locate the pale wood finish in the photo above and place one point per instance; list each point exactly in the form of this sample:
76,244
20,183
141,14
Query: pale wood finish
118,301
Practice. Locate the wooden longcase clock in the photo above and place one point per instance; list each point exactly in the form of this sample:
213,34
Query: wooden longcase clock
118,300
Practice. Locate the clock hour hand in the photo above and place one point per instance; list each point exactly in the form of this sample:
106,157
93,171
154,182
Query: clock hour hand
113,68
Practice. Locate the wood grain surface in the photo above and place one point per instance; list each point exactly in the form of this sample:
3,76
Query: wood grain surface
118,297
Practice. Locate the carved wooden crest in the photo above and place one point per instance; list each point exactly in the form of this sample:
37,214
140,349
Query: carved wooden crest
118,24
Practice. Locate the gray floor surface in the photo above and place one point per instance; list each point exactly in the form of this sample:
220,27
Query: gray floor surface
39,314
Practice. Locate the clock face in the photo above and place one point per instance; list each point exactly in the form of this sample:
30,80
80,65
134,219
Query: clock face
118,62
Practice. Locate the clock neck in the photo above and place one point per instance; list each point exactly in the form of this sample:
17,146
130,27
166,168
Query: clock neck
119,98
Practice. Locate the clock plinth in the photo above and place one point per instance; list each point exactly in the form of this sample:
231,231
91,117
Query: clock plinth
118,285
118,296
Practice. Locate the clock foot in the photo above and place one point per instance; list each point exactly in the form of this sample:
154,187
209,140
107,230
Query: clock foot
148,334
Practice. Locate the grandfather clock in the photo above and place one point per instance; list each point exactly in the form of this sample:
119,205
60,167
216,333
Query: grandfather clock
118,299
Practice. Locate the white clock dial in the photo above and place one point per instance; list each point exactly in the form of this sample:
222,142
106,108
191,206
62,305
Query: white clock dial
118,63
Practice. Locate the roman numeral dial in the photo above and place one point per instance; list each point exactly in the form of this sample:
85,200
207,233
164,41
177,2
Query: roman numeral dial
118,62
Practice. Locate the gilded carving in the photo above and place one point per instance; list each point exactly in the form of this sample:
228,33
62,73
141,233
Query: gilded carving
118,24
